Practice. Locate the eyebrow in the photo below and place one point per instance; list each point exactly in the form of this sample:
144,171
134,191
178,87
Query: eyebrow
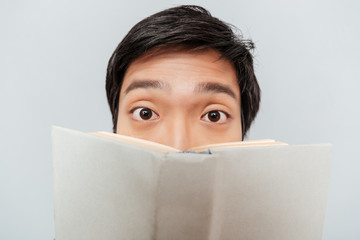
215,88
145,84
207,87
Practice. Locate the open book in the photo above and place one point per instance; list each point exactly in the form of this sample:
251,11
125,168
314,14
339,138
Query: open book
108,186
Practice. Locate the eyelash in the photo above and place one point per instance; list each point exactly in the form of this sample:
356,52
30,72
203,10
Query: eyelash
220,118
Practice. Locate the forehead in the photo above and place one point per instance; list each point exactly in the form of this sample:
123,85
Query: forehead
181,70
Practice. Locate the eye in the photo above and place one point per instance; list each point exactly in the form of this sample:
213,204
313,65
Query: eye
215,116
144,114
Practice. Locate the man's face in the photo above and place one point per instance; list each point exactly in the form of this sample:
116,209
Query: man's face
181,99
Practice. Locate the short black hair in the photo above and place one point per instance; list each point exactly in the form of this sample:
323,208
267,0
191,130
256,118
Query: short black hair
194,28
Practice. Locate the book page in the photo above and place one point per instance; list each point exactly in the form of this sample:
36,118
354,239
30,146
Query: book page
252,143
275,192
164,148
103,189
136,141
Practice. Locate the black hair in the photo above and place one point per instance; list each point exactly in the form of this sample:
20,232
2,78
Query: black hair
194,28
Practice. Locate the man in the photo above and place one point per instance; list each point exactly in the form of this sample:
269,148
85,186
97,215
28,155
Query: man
182,78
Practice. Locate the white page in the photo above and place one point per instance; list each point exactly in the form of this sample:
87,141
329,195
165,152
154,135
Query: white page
100,190
275,192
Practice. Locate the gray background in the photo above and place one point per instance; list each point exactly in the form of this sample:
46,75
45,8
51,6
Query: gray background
53,57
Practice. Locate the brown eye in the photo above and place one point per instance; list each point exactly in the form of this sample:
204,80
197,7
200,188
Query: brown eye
215,116
144,114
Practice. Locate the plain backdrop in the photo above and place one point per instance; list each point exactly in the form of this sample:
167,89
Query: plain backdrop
53,58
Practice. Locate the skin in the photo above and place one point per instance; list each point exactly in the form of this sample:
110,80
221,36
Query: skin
181,99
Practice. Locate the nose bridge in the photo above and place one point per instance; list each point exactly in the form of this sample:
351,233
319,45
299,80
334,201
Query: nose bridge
179,134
